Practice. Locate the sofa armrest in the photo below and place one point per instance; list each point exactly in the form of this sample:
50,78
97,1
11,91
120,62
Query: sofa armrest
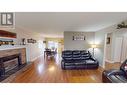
94,59
113,72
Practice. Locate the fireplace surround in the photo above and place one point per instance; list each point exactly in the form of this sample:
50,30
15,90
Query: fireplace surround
8,58
11,61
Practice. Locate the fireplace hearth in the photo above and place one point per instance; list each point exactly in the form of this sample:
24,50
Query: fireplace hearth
9,65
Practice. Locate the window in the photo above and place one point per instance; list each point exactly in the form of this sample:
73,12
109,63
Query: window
52,45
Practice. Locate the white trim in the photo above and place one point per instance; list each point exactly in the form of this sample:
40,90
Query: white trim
104,56
109,61
122,61
7,47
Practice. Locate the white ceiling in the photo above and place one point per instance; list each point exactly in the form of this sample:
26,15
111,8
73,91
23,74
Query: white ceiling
53,24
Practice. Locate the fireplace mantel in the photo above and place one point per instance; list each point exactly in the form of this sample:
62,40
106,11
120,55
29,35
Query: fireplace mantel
8,47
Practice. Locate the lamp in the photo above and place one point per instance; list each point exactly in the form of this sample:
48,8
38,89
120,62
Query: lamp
93,46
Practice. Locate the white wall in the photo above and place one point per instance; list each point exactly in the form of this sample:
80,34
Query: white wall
123,34
99,51
33,50
109,47
100,39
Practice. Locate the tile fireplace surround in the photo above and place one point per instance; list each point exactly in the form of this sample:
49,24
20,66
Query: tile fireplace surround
11,57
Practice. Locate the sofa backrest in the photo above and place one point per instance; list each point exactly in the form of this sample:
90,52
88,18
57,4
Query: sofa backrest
76,55
67,55
85,53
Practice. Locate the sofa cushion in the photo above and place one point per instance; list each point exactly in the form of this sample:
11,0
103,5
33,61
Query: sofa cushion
67,55
67,52
76,55
84,52
67,63
90,62
84,58
75,52
80,63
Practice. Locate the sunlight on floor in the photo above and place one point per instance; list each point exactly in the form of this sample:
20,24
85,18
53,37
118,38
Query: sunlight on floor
40,68
51,69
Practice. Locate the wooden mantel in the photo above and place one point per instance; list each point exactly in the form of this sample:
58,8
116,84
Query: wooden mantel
7,34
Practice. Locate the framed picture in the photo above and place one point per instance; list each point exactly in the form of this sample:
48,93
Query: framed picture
31,41
108,40
44,42
78,37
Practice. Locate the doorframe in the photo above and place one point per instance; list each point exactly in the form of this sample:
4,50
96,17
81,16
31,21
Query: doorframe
104,57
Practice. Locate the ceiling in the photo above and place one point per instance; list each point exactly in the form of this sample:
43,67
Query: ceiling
52,24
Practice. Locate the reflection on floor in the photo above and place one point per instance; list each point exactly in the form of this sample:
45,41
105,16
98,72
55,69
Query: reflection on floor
48,70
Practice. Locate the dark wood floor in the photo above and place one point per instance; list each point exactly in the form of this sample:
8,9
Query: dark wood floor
49,71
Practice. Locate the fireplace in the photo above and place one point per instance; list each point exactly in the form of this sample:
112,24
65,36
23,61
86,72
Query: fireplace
9,63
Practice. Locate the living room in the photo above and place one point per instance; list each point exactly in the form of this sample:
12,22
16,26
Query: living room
89,38
63,47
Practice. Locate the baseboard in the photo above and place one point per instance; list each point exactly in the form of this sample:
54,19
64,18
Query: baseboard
36,58
122,61
109,61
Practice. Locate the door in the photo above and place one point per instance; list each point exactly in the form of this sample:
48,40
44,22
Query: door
124,50
118,49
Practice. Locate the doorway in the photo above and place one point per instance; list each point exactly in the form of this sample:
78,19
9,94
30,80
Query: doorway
113,51
53,45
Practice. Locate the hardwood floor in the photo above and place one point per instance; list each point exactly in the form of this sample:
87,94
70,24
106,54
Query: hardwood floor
49,71
112,65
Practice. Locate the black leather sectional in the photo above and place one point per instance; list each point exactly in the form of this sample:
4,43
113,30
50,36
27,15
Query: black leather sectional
116,76
78,59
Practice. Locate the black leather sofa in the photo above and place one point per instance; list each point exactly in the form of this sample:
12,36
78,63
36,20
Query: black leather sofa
116,76
78,59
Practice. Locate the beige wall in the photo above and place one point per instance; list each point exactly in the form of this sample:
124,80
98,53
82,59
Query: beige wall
91,37
70,44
